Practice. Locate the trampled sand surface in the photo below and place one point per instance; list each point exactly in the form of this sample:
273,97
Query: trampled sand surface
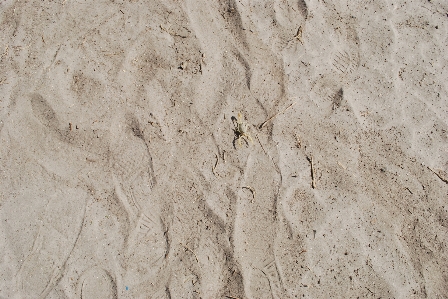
224,149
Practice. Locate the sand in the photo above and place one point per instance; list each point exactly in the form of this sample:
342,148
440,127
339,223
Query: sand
224,149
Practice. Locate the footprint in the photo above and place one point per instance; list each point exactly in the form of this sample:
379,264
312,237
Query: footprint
275,284
255,227
340,38
290,255
259,285
53,245
147,245
132,170
96,283
43,111
265,281
145,267
212,262
345,62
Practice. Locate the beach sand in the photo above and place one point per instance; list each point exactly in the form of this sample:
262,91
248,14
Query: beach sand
223,149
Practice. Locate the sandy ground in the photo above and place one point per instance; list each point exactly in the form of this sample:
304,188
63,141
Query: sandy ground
224,149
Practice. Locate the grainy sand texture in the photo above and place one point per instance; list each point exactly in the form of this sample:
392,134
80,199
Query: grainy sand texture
223,149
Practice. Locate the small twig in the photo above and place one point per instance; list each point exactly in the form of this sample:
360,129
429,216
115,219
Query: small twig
277,169
187,248
369,290
224,156
439,174
171,33
262,147
161,27
298,35
342,165
216,164
105,53
275,115
5,53
313,175
299,142
251,190
231,297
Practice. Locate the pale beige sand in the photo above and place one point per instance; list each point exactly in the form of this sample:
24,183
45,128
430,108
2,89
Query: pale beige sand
122,175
